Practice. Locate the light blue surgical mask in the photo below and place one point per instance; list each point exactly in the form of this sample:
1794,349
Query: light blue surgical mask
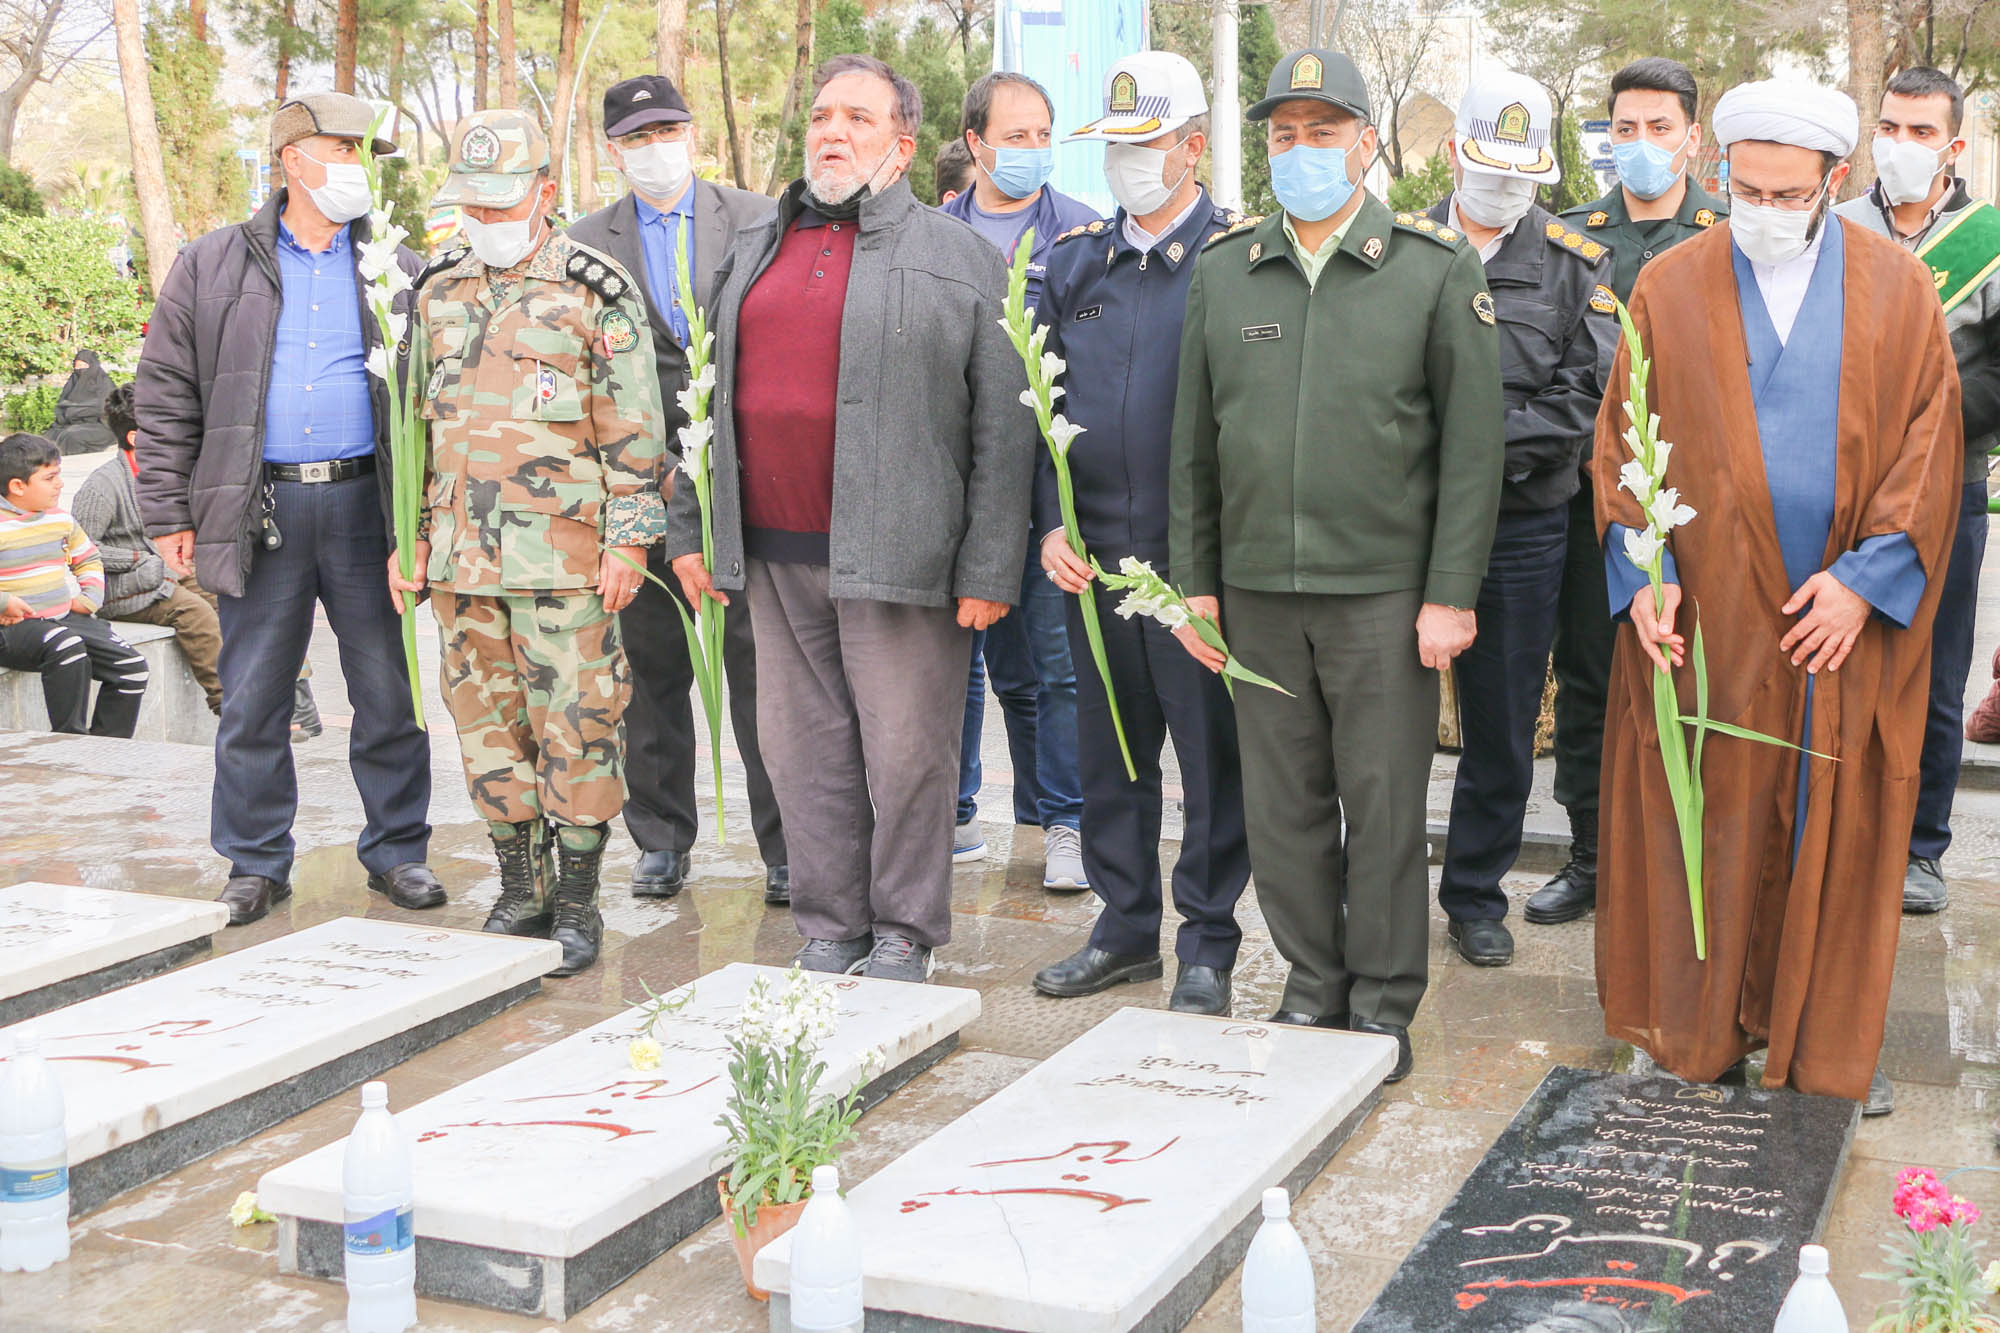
1646,169
1311,183
1019,172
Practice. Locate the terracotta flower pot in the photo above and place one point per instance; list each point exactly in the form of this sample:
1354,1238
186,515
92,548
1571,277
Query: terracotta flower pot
773,1221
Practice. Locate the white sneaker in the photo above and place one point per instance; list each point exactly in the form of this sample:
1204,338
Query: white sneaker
1062,859
968,844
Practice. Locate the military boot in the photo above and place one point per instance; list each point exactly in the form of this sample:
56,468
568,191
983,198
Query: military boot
518,912
1573,891
578,927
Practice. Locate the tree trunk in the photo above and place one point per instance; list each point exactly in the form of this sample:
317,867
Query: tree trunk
737,176
198,19
15,94
510,69
396,48
1866,48
346,34
149,181
586,146
482,41
795,92
570,37
283,82
671,39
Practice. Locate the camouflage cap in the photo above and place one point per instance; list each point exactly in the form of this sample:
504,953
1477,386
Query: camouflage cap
335,114
494,158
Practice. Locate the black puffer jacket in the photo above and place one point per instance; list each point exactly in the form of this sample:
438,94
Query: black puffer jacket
204,375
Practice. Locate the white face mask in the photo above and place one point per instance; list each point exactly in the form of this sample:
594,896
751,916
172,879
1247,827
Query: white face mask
502,245
1907,169
1137,177
658,169
1494,201
1767,234
345,195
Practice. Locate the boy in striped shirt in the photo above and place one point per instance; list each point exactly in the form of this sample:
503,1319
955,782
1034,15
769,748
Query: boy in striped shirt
51,583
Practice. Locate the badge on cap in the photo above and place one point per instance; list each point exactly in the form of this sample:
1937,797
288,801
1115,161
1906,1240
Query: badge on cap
1511,125
1308,73
619,334
643,95
1124,94
481,148
1482,306
1372,248
1175,251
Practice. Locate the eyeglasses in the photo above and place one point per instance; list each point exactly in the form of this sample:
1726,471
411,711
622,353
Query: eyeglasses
1790,200
639,138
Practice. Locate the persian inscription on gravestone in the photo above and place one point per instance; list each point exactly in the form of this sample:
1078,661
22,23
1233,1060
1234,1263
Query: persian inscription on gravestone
1616,1203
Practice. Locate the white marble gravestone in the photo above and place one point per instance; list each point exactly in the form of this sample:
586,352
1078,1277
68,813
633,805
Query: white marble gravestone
60,943
545,1183
166,1071
1110,1189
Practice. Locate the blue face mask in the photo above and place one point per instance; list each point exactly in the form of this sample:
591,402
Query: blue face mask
1646,169
1311,183
1019,172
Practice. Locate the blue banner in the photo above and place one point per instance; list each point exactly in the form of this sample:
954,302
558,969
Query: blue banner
1067,46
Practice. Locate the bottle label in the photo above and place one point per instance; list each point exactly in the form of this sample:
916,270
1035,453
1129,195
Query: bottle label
27,1184
388,1232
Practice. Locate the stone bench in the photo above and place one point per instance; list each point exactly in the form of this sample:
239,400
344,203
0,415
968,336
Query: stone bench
175,709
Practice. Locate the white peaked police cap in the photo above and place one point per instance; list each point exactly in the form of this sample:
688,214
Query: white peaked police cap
1146,94
1506,128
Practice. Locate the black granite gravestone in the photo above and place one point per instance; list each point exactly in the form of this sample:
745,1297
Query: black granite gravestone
1616,1203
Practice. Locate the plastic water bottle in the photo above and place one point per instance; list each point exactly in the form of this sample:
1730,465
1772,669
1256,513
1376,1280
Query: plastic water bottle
1278,1274
1811,1306
381,1245
826,1261
34,1162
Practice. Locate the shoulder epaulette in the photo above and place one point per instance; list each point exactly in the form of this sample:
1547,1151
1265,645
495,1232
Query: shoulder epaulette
1423,226
1239,222
1092,228
448,260
1564,239
598,273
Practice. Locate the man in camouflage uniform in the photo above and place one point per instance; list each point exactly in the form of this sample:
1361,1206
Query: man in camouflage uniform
546,452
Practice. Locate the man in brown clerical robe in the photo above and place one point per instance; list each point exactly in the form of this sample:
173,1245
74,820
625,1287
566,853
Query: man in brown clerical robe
1802,373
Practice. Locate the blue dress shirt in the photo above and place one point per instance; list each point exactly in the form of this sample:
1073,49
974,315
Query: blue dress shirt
660,233
319,406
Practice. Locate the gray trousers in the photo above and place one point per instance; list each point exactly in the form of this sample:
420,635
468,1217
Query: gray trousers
860,706
1356,739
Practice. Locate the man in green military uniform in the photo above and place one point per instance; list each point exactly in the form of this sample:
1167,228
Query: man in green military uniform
1334,485
1657,204
546,451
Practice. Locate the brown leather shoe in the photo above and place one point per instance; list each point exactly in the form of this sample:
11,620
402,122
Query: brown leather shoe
251,897
411,886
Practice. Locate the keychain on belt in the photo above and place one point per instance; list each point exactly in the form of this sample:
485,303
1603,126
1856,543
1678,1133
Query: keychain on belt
269,533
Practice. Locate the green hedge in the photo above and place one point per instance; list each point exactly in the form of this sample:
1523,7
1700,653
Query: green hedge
58,292
32,410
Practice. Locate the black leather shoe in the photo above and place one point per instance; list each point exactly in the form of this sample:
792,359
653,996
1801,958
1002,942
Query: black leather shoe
411,886
1736,1076
1573,891
250,897
576,926
1200,990
1402,1035
1483,943
1881,1095
1293,1018
1090,970
778,885
660,874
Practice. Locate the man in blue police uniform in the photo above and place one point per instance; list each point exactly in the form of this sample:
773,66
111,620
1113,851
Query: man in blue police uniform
1557,333
1113,300
1007,127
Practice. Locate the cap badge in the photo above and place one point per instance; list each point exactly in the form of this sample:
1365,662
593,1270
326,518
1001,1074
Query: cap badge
1124,94
1372,249
1511,126
1175,251
1308,73
481,148
643,95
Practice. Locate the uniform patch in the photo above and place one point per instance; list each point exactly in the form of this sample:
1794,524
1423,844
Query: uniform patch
1256,251
619,333
1372,247
1603,301
1597,219
545,383
481,148
1089,312
1262,333
1406,219
1572,240
1704,217
1175,251
1554,231
1446,234
1425,224
1308,73
1482,306
1590,250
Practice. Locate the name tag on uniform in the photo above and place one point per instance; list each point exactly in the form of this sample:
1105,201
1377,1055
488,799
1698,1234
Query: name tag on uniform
1089,312
1261,333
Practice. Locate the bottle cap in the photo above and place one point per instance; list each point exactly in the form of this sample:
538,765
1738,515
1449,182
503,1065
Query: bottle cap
826,1179
1277,1203
374,1095
1812,1259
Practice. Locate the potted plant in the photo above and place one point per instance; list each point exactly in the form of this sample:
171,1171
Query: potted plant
780,1126
1934,1260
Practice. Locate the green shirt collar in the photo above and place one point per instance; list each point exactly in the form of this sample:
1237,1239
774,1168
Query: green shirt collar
1313,263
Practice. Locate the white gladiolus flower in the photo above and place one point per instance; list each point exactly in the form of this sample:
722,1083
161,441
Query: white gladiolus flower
1055,392
1661,452
1643,548
1028,399
1132,567
706,380
1061,431
1667,512
1631,438
395,280
399,325
1052,365
378,362
1633,477
686,399
1653,426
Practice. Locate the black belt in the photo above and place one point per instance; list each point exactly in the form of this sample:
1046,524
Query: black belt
337,469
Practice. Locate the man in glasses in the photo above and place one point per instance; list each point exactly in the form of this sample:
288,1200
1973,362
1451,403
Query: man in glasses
1802,374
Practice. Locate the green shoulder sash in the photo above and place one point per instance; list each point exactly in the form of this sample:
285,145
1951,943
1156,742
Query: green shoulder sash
1963,253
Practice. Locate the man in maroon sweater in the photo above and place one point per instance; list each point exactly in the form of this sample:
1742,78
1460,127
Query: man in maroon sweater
872,479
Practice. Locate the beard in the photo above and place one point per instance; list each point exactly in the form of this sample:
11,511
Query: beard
835,182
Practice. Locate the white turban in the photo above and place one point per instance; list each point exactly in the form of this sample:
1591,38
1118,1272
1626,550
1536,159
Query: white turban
1787,111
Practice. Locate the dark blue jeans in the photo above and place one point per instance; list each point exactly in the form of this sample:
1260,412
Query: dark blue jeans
1026,654
1951,661
335,553
1500,679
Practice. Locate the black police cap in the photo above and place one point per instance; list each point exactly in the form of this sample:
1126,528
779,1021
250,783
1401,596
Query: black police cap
650,99
1319,75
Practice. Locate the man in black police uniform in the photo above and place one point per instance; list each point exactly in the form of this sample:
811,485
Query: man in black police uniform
1113,300
651,135
1657,204
1557,335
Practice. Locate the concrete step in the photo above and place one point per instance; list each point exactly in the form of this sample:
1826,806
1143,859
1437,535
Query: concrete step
174,709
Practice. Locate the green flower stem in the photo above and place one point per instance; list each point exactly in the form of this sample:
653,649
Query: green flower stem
705,629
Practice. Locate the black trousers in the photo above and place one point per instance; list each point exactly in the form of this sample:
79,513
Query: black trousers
70,651
335,554
660,721
1500,679
1162,692
1951,662
1585,634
